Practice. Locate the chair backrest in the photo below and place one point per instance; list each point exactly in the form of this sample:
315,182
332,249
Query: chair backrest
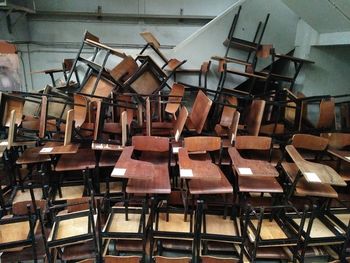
174,102
232,133
43,117
69,128
161,259
337,140
150,39
90,36
253,143
202,144
78,204
200,111
228,112
150,143
309,142
180,123
80,109
254,118
20,208
327,114
11,103
12,129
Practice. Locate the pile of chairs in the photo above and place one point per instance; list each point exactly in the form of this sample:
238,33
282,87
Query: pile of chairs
116,163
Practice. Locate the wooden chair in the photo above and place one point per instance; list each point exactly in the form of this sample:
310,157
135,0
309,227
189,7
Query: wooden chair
311,179
198,116
221,236
81,159
197,167
155,150
160,259
227,115
127,228
173,103
39,208
115,259
73,234
254,174
169,232
212,259
271,232
254,118
338,151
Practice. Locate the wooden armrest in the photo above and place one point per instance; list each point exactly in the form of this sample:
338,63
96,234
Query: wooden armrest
112,50
184,159
295,59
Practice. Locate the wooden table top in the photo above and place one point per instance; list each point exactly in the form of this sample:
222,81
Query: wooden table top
129,168
342,154
248,167
315,172
61,149
106,147
193,169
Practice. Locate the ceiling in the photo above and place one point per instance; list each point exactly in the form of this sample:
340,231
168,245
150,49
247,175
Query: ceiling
325,16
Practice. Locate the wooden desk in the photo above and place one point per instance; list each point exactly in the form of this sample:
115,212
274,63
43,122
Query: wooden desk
247,167
129,168
58,150
341,154
106,147
315,172
193,169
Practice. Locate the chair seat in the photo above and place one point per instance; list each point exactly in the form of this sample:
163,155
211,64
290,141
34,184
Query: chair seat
83,159
109,158
303,188
210,186
259,184
79,251
210,259
32,156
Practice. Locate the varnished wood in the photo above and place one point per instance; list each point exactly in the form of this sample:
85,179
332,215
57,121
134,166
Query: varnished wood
120,225
228,112
269,230
70,192
253,143
161,259
324,173
102,46
211,259
43,116
337,140
310,142
232,134
83,159
14,232
150,39
202,144
254,118
80,109
257,167
180,123
58,150
69,128
175,223
199,113
103,89
173,103
12,103
124,70
150,143
318,229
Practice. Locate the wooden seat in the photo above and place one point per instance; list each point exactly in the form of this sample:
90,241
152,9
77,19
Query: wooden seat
160,259
200,110
211,259
116,259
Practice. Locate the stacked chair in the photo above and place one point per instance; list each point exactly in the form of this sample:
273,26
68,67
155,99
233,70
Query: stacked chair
117,164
